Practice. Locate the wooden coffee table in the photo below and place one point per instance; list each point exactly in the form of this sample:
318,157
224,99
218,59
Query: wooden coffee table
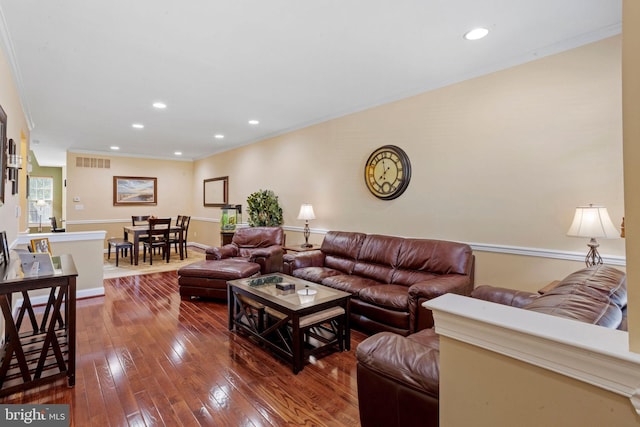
293,324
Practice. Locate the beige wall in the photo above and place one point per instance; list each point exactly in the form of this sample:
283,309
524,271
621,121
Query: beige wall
498,160
94,187
481,388
16,129
509,392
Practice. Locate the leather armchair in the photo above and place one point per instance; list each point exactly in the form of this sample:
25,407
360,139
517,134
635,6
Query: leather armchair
262,245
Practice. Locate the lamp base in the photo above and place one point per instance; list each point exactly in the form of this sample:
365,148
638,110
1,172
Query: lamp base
306,245
593,257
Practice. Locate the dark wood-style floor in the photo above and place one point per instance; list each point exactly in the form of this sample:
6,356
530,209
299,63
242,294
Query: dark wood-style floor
146,358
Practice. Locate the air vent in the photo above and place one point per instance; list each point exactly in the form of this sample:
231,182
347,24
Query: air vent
92,162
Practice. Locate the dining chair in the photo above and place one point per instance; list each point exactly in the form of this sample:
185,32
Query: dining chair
140,220
54,226
158,238
183,223
185,229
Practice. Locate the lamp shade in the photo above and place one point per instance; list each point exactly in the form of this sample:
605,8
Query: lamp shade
41,202
306,212
592,221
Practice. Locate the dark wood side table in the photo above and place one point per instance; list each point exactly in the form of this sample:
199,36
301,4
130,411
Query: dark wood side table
226,237
42,350
299,248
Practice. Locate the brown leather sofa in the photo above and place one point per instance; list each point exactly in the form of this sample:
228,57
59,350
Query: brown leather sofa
398,377
388,277
262,245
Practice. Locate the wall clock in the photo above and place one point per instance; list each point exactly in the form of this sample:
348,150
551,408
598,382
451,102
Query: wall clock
387,172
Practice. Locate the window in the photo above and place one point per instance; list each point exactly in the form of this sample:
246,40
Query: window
40,188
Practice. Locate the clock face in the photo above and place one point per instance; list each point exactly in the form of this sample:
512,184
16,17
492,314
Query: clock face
387,172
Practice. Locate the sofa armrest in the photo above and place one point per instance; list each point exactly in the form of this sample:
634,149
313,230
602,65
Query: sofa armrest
306,259
422,318
221,252
270,259
504,296
398,380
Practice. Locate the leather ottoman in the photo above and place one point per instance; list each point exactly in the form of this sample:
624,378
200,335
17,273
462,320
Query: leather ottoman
209,278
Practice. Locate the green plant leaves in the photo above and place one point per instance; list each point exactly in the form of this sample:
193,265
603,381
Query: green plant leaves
264,209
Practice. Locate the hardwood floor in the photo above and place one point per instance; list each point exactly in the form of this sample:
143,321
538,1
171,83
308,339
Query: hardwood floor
146,358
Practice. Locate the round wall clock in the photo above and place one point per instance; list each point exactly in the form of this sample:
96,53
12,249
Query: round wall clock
387,172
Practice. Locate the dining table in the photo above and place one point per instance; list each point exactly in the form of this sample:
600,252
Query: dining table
140,230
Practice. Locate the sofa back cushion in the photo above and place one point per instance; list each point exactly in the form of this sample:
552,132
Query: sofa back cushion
595,295
421,259
377,257
341,249
608,280
258,237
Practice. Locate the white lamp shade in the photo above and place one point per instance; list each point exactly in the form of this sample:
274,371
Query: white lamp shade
306,212
592,221
41,202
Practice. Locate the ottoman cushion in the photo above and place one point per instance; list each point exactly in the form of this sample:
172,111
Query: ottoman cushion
209,278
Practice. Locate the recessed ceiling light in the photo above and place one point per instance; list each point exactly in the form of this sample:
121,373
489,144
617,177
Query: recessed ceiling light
218,136
178,153
138,125
253,122
159,105
476,34
113,147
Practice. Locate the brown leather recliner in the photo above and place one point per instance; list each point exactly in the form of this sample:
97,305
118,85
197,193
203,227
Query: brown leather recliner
262,245
398,376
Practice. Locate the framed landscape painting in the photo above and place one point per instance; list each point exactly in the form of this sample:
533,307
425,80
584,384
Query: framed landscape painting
134,190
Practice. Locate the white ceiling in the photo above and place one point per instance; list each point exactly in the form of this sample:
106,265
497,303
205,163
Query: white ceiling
88,70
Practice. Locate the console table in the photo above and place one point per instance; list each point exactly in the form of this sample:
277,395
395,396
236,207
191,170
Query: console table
43,349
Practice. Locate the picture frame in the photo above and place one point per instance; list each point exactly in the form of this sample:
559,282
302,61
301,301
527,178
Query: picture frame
135,190
4,248
3,152
41,245
216,191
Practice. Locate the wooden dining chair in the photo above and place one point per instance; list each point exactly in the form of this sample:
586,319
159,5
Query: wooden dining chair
175,238
158,238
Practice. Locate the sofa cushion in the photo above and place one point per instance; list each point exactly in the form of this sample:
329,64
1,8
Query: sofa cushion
258,237
578,302
595,295
434,256
315,274
341,250
349,283
377,257
394,297
609,280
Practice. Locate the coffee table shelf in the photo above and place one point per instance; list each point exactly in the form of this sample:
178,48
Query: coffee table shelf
293,326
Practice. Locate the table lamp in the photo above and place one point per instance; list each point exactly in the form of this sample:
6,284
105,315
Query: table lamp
40,204
592,222
306,213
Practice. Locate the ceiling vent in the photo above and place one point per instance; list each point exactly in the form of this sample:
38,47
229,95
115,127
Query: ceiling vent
92,162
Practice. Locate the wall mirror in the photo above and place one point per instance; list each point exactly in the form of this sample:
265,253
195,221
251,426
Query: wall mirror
3,152
216,191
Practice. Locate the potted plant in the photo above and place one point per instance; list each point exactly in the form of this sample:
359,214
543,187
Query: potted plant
264,209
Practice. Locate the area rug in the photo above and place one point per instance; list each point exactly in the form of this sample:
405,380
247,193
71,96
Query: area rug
125,268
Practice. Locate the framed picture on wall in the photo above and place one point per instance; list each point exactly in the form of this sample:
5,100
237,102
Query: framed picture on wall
134,190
